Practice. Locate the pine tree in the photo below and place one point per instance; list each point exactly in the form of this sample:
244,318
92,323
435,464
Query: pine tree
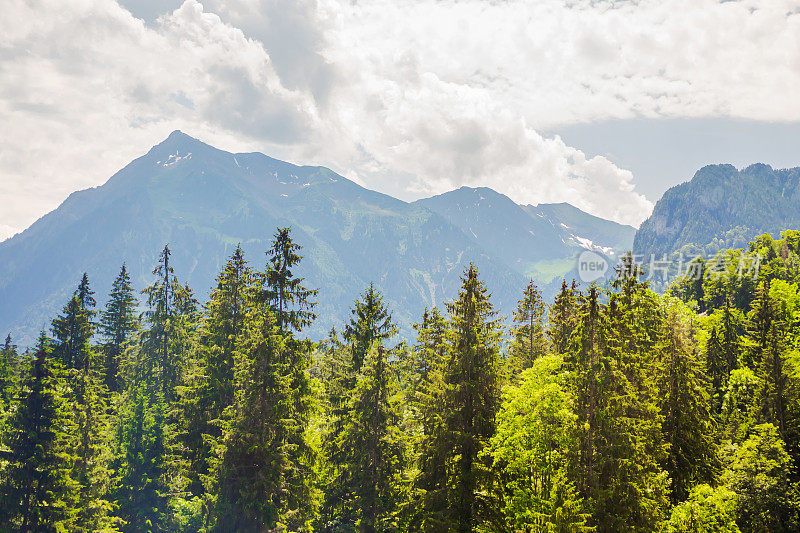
285,291
372,452
371,322
73,328
38,493
687,424
562,317
142,489
118,323
453,473
263,475
716,370
210,384
529,339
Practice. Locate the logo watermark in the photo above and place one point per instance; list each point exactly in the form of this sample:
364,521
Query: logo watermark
592,266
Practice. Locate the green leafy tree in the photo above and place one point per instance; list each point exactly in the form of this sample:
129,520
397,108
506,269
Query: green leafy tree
760,473
532,448
707,510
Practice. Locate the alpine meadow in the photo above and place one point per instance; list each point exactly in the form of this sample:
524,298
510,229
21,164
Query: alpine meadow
415,266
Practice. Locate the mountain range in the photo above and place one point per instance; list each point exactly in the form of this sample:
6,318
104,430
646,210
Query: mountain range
721,207
204,201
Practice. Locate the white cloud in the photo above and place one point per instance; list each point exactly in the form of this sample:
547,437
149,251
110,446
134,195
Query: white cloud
7,231
410,97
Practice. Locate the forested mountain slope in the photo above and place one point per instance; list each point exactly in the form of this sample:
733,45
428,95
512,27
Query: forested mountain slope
721,207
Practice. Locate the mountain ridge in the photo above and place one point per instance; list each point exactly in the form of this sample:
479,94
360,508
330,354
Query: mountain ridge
203,201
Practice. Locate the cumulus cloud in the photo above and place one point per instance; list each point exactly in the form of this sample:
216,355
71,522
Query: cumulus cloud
408,97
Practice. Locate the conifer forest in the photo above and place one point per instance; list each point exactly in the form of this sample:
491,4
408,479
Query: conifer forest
612,408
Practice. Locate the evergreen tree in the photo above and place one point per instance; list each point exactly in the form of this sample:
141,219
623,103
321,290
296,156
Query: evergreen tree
285,291
37,491
562,317
371,322
118,323
263,478
618,453
716,370
453,474
210,385
161,356
772,398
759,325
73,328
687,421
142,488
730,340
9,359
90,446
371,456
529,339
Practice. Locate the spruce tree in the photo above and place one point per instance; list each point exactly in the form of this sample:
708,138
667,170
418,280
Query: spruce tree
141,489
90,446
37,491
687,422
371,322
716,370
529,339
453,474
773,398
290,300
118,323
210,384
618,450
371,457
562,317
165,342
73,328
9,360
263,478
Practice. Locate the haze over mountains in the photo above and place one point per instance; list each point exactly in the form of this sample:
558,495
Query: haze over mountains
203,201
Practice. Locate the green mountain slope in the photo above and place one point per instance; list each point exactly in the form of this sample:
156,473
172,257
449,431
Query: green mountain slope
721,207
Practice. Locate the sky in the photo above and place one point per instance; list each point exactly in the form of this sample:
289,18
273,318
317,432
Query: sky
603,104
